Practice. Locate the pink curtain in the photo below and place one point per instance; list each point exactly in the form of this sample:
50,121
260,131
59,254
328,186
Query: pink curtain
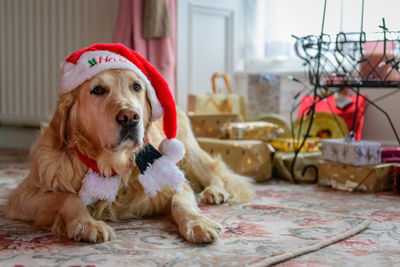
161,52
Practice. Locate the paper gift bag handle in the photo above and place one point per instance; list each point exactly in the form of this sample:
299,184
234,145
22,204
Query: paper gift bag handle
225,77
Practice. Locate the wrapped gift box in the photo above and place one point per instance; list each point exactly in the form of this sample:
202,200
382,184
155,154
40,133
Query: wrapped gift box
262,88
390,154
211,125
256,130
395,173
312,144
248,157
282,164
330,149
369,178
357,153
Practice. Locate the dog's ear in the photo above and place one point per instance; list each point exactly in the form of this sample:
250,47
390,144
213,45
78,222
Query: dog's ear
148,114
59,121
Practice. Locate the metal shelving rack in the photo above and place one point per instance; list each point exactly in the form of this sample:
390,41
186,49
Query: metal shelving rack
348,60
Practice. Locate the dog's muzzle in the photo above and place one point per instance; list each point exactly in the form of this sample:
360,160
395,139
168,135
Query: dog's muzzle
129,120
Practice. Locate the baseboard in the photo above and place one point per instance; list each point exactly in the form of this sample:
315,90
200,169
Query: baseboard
18,136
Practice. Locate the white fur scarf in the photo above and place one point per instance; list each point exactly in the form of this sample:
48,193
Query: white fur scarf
163,172
97,187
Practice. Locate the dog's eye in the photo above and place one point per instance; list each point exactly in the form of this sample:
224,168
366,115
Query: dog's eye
98,90
137,87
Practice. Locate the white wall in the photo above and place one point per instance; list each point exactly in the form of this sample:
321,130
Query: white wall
211,38
376,126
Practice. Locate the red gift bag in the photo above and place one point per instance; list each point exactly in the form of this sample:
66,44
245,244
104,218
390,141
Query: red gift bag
347,114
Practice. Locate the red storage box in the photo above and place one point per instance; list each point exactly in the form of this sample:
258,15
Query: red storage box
390,154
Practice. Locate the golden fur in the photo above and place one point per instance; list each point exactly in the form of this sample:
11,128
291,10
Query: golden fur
48,196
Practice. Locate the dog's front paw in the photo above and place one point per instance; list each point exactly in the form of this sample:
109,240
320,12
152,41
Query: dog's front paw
214,195
201,230
90,230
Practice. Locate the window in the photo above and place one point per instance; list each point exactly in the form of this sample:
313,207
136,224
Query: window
269,25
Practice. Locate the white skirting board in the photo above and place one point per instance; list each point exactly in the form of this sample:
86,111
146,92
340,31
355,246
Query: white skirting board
18,137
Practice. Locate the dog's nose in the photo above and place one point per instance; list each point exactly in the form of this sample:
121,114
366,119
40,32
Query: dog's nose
128,117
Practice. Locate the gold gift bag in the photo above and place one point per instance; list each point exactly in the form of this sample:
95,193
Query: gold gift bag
311,144
213,103
282,163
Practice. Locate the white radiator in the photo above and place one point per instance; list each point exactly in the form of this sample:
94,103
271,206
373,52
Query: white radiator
35,37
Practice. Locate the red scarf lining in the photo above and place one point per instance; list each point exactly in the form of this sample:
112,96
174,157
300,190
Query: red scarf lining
90,163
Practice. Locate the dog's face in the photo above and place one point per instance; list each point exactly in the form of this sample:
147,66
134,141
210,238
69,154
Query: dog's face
112,110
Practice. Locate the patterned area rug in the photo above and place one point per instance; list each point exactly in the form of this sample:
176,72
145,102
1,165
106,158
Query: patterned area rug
284,221
378,245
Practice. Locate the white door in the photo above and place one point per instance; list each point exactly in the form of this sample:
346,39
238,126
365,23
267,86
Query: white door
209,40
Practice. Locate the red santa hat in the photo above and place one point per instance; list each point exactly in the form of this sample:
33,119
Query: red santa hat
84,64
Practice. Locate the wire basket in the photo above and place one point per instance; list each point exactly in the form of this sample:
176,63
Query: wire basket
352,59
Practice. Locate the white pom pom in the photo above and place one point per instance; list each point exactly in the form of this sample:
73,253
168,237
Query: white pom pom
173,149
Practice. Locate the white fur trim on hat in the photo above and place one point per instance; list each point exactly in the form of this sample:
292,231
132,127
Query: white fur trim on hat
92,63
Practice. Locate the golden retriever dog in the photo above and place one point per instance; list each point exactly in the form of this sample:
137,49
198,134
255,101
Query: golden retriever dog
85,118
